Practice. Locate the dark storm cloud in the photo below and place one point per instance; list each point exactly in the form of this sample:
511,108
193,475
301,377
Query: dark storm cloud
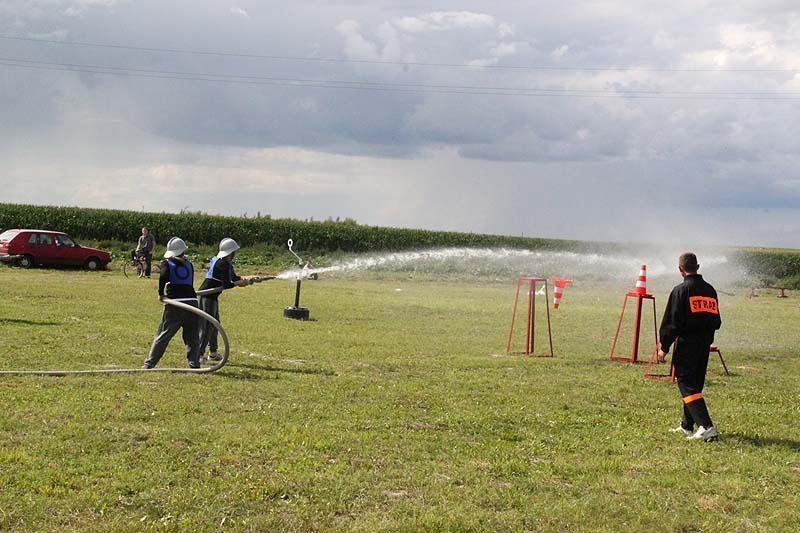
684,137
534,128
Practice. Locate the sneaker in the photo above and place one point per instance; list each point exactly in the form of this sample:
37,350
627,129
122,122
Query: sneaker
681,429
215,356
704,434
194,364
147,366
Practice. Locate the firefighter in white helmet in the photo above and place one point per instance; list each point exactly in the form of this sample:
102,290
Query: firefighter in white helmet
220,275
176,282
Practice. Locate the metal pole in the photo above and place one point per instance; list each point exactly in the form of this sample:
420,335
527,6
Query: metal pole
655,328
547,306
619,326
513,315
635,347
532,317
297,294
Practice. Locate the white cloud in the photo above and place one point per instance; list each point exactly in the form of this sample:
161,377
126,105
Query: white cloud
789,186
504,49
663,41
55,34
22,13
447,20
396,39
559,52
240,11
749,45
505,30
356,46
76,8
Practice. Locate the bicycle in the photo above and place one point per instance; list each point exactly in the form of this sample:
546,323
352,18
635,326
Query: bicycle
137,265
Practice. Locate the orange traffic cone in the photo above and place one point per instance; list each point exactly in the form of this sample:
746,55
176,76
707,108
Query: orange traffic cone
558,291
641,282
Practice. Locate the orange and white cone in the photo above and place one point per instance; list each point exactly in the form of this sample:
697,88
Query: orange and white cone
641,282
558,291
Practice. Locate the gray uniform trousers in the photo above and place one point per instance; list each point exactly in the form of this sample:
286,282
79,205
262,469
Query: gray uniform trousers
172,320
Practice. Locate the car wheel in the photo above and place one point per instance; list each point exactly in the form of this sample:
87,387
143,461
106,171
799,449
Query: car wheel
92,263
26,261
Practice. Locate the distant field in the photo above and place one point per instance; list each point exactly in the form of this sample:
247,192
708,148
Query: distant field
264,240
394,409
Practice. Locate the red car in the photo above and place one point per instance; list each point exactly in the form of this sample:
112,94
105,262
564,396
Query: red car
29,247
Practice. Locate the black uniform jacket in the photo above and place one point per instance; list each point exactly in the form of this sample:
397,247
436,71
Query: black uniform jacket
692,313
222,274
181,290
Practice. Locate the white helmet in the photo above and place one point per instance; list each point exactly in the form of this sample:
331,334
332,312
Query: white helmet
227,247
175,247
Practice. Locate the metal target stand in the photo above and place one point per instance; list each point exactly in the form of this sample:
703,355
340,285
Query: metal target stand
530,331
634,358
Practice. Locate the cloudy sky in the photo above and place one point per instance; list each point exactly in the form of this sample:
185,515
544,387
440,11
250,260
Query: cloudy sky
602,120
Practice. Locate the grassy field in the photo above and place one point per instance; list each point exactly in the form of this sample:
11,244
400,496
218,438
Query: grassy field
394,409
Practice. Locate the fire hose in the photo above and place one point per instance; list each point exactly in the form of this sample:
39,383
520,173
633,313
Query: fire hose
166,301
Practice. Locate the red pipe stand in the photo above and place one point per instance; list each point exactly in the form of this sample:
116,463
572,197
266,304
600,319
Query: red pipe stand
634,358
530,332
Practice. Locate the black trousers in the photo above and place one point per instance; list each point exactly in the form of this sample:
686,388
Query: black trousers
691,362
148,263
208,332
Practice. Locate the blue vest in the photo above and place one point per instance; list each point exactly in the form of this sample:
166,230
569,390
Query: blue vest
211,272
180,273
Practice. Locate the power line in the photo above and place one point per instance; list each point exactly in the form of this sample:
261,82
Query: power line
391,87
394,63
234,77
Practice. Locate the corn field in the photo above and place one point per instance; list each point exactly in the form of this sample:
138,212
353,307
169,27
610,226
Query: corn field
771,266
198,228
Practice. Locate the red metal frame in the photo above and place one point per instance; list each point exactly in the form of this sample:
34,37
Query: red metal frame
530,333
713,348
634,358
660,377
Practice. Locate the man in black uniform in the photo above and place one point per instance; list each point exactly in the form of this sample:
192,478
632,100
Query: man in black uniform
690,320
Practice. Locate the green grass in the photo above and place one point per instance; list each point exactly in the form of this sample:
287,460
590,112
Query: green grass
394,409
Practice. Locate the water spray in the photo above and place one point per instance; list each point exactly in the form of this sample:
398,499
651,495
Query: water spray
296,312
217,290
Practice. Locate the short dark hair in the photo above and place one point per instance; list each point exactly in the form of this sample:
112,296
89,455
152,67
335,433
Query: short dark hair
688,262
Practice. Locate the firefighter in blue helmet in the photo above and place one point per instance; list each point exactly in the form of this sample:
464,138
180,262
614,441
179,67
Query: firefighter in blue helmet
690,320
176,282
222,276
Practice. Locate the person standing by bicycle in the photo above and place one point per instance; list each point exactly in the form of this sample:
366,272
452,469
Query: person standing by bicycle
220,276
144,248
176,282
